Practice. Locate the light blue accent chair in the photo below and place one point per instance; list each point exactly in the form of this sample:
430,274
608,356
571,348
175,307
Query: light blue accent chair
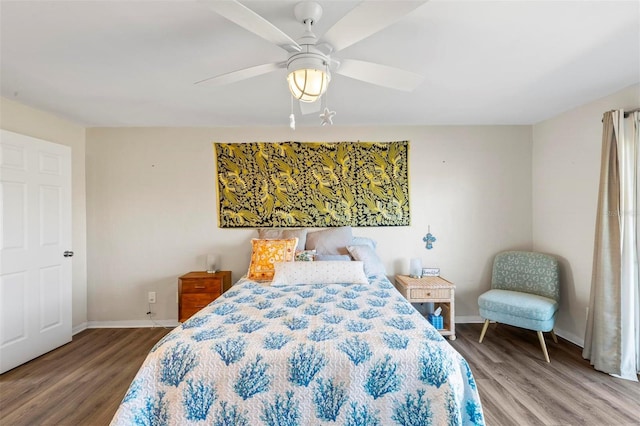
525,292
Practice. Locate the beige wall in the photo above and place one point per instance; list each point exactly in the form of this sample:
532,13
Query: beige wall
28,121
566,171
151,208
150,211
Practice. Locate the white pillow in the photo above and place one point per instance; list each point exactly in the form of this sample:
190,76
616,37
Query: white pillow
372,263
289,273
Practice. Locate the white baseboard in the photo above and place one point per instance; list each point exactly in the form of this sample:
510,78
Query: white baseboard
78,328
576,340
132,324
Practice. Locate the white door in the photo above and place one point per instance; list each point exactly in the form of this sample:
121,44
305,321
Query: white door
35,232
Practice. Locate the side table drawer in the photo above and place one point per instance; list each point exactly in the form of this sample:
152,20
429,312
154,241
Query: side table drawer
426,293
210,285
197,301
188,313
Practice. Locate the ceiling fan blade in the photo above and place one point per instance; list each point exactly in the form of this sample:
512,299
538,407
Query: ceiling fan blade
367,18
243,74
251,21
381,75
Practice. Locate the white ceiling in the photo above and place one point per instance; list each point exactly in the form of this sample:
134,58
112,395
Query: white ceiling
133,63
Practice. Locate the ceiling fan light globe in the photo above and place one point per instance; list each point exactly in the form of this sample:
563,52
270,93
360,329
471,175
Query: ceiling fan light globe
307,84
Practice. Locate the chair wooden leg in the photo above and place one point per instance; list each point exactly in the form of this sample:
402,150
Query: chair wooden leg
553,335
543,345
484,330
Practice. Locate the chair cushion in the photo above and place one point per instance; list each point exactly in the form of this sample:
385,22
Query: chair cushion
517,304
529,272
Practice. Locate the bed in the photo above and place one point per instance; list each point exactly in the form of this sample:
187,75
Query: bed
304,354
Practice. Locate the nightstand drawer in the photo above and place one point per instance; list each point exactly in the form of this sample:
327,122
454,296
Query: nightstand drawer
189,312
210,285
199,288
197,300
427,293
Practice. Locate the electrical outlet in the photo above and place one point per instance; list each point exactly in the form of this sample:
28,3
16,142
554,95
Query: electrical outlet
152,297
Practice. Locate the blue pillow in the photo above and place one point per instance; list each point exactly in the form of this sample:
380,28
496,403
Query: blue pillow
364,241
372,264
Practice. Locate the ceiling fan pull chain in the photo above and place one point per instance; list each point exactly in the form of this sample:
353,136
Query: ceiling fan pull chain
292,118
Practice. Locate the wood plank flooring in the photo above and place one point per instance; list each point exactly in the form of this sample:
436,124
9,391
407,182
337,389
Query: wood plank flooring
518,387
80,383
83,382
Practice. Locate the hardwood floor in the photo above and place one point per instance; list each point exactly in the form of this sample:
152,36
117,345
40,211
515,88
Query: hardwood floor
518,387
80,383
83,382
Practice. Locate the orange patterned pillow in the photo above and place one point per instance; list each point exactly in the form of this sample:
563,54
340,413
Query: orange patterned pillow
267,252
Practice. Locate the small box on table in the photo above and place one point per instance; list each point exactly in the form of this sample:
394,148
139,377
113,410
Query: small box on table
436,321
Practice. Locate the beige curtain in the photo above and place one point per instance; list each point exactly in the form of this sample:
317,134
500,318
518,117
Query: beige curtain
602,339
612,336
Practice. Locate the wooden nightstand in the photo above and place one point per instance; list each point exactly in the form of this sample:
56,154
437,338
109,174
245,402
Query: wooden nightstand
431,289
197,289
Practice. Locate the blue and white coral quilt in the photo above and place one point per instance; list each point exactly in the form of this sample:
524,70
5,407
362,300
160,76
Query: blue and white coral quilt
339,354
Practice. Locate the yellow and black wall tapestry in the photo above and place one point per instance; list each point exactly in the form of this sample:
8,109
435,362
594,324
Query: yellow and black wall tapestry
304,184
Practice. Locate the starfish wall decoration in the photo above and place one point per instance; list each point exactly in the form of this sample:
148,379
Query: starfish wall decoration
327,117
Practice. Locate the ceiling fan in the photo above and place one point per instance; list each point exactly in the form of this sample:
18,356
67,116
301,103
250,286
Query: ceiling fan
310,63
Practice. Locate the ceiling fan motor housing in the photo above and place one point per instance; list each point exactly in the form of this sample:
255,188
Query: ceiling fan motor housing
308,70
310,56
310,60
